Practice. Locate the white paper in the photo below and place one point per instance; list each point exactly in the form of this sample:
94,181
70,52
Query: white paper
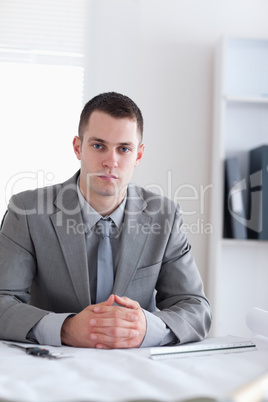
257,321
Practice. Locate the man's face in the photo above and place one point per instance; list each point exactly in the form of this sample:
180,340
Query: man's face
109,152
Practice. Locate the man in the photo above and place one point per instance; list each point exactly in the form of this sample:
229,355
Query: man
51,289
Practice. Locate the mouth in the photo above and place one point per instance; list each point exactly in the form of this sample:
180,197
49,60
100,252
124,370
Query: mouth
108,177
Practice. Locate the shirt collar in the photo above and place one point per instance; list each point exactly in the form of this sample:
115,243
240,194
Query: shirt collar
91,217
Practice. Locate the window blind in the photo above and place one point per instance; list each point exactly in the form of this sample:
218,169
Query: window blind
42,31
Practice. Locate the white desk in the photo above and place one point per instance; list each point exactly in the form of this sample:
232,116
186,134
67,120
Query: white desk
125,375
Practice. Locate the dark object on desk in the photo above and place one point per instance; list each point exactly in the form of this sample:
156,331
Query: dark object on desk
234,202
36,351
258,195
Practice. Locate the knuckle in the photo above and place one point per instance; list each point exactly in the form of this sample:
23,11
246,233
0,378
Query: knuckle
116,312
115,331
134,333
117,322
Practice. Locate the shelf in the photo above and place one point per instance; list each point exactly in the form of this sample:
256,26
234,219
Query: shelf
244,242
246,99
238,274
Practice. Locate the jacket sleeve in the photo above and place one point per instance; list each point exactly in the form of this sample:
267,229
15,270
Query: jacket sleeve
180,295
17,270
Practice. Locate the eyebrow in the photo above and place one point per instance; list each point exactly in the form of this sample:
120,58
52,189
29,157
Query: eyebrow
90,139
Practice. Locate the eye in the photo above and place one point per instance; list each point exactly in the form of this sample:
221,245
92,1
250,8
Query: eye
97,146
124,149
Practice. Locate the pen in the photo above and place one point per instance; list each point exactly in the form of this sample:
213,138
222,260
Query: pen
36,351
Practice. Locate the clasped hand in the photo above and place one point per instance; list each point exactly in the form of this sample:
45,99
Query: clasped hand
105,326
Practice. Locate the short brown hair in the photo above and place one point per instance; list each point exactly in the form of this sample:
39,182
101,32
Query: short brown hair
114,104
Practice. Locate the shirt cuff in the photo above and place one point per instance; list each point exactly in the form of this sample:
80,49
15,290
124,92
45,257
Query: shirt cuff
47,331
157,333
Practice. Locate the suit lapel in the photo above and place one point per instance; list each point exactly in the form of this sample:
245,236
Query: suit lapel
133,241
68,225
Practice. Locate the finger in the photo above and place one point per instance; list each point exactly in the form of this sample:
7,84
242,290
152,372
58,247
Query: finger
114,318
115,312
109,302
126,302
110,334
128,344
105,342
97,307
104,322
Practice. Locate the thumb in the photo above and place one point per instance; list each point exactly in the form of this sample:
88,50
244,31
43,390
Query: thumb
126,302
108,302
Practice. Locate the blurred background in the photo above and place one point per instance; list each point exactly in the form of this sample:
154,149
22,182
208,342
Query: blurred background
57,54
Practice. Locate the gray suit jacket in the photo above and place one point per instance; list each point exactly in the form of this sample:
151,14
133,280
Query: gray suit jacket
44,268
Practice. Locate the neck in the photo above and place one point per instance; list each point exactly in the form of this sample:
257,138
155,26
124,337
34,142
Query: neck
104,204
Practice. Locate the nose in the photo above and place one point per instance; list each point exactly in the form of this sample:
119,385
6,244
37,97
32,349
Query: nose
111,159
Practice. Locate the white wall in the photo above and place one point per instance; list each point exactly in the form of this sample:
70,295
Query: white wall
160,53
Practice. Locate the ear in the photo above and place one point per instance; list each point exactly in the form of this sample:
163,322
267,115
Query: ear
77,147
140,154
